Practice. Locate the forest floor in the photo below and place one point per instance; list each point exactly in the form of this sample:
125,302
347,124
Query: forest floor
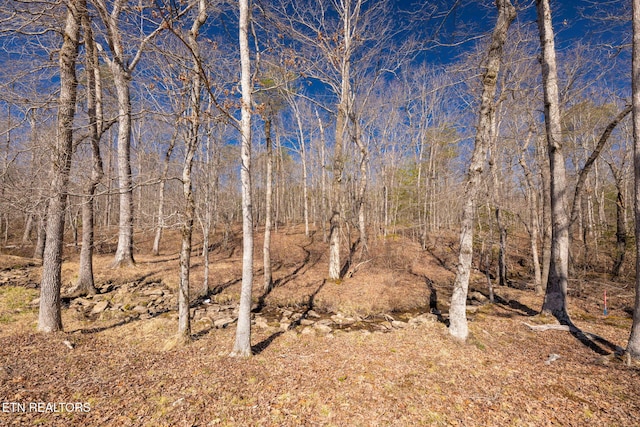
370,350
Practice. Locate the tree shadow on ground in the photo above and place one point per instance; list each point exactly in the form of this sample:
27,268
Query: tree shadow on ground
441,261
349,261
264,344
592,341
122,322
286,279
515,306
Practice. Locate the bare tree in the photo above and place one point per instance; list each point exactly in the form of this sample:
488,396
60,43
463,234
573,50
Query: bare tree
633,346
242,346
555,299
50,318
85,283
121,67
457,314
192,140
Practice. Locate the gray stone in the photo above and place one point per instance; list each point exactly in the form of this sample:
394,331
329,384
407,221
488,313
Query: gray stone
139,309
423,319
398,324
284,326
287,313
323,329
339,319
307,322
100,307
313,314
262,324
475,295
224,322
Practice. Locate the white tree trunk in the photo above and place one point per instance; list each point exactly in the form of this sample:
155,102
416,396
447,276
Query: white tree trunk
633,347
242,346
268,220
555,300
457,313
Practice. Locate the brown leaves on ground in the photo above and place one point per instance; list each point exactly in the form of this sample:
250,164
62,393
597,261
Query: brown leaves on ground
128,376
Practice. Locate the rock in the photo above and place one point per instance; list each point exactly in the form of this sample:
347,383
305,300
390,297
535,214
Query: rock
262,324
339,319
82,301
423,319
307,322
313,314
307,331
287,313
323,329
552,358
139,309
284,326
100,307
477,296
324,322
398,324
150,292
224,322
215,308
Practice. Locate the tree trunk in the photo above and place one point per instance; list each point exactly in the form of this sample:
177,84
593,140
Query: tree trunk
161,190
633,346
124,250
555,300
266,247
532,228
242,346
192,140
323,179
85,284
362,186
621,229
457,313
41,233
50,318
546,218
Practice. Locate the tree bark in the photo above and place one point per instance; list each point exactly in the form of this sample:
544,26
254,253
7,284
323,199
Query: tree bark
161,190
457,313
633,346
268,220
555,300
192,140
50,318
124,250
621,228
242,346
85,283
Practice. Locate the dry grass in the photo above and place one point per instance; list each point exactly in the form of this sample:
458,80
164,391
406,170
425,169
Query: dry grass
134,373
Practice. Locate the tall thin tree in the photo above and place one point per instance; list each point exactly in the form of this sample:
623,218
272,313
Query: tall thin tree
50,317
555,299
633,346
242,346
457,314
